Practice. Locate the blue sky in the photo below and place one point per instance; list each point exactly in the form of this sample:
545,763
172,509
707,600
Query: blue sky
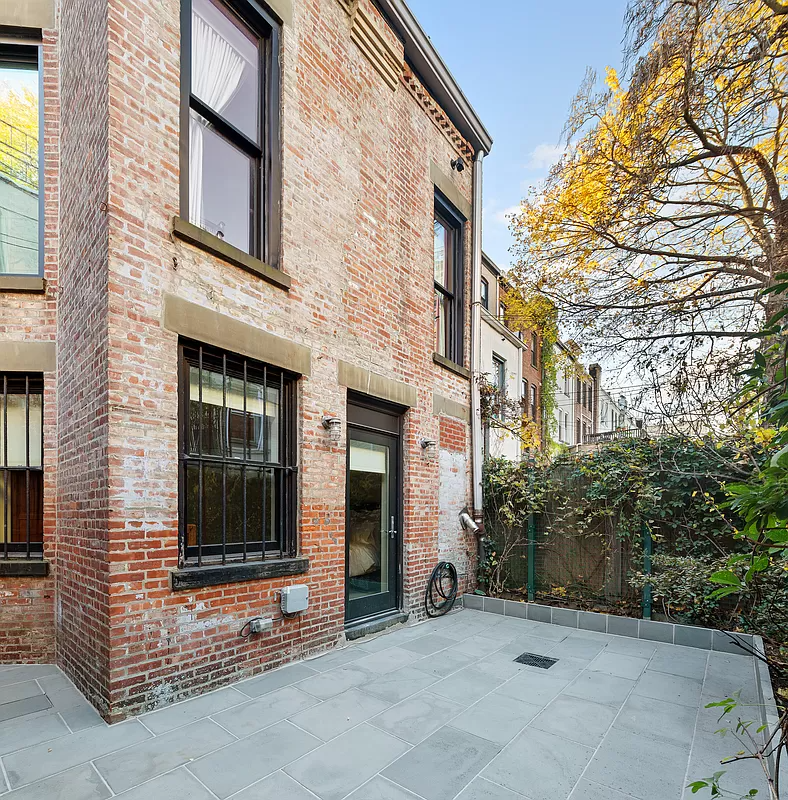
520,62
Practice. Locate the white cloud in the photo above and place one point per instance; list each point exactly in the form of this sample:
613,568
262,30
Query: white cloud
504,214
543,156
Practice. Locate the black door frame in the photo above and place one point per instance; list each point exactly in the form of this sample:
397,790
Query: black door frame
394,418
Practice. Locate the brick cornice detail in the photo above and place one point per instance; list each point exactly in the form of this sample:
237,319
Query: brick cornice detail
436,113
386,58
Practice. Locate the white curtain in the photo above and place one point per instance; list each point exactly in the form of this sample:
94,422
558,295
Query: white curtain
216,76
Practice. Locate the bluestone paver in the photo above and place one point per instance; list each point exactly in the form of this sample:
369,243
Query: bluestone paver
443,764
646,768
427,645
339,714
496,718
444,663
601,688
398,685
13,692
179,784
77,783
576,718
43,760
588,790
388,660
533,688
466,686
481,789
684,661
255,715
337,658
205,705
577,647
417,717
278,786
276,679
240,764
335,681
670,722
151,758
21,733
22,708
343,764
27,672
379,788
544,765
417,712
673,688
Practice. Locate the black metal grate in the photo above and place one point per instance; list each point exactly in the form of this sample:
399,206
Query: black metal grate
533,660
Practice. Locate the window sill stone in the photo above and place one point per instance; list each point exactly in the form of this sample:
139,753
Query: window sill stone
190,578
24,568
227,252
22,283
448,364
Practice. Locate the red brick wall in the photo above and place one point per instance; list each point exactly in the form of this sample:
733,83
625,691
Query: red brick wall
533,374
357,242
453,435
27,605
83,491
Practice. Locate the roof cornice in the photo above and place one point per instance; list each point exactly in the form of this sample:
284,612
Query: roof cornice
435,75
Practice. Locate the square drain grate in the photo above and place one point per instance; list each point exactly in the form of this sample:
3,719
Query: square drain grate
533,660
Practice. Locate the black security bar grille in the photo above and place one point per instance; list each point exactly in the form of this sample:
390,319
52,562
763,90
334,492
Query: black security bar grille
534,660
237,458
22,462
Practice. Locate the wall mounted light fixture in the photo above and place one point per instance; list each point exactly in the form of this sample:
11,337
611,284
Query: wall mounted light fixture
458,164
427,444
334,427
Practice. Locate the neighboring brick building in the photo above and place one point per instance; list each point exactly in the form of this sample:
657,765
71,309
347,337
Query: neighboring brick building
251,332
511,360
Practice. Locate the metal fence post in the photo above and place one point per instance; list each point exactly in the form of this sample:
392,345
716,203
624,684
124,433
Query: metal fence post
531,558
648,548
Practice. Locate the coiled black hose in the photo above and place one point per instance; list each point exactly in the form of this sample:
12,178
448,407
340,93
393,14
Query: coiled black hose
441,589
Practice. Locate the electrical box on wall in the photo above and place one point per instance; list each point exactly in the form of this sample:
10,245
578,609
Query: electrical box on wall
295,598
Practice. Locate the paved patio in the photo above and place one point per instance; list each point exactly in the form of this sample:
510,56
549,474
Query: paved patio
435,711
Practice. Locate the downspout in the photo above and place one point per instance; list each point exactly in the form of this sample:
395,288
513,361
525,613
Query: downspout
476,338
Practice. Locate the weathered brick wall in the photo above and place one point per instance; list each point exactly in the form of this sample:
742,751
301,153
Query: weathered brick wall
83,491
357,242
454,462
27,605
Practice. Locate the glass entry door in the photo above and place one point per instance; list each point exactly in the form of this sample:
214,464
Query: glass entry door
372,523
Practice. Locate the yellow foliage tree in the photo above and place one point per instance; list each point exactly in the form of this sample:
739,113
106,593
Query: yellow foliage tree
666,219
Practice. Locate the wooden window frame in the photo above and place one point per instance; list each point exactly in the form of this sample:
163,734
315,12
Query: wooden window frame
454,223
203,356
22,541
266,183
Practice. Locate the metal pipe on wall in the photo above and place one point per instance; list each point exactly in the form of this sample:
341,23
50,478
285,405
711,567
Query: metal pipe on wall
476,336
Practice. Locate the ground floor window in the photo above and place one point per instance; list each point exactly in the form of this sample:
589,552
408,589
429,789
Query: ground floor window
237,457
22,461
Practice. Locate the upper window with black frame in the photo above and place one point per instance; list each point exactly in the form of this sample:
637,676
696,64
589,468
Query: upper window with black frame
21,198
237,458
448,261
231,94
485,294
21,465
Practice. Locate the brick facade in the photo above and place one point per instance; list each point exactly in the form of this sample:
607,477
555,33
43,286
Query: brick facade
27,605
357,244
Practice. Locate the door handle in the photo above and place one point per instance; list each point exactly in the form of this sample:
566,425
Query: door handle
392,530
